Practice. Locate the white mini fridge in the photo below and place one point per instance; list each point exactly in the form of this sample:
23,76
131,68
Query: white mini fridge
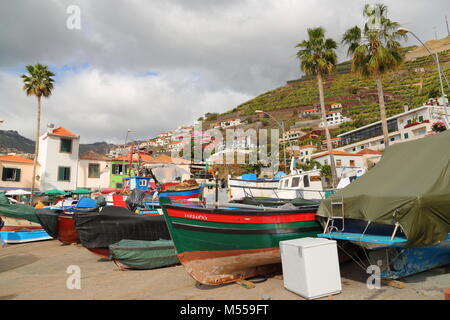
311,267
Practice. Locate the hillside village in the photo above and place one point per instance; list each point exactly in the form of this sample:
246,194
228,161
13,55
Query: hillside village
412,103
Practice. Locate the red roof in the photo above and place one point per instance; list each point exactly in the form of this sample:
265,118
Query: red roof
369,151
63,132
336,153
143,157
15,159
308,146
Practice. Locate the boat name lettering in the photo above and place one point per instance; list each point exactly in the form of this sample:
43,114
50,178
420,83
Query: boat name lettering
195,216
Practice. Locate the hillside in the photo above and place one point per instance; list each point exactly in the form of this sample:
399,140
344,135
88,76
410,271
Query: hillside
12,141
412,84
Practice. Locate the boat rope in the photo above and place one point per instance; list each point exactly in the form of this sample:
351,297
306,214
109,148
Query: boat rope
360,264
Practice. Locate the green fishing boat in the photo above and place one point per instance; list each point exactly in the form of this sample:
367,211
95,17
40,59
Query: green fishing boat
231,242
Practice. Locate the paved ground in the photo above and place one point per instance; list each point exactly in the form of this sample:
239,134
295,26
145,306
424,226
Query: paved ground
38,271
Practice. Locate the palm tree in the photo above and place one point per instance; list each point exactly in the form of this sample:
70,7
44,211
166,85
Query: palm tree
39,83
375,51
318,57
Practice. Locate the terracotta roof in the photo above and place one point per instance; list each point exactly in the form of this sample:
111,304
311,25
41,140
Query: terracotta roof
60,131
143,156
94,156
166,159
15,159
369,151
336,153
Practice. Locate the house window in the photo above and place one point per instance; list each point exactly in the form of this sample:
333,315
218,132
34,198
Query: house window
382,142
63,173
352,163
295,182
117,168
94,170
66,146
392,139
119,185
306,181
420,118
338,163
11,174
406,135
409,121
362,147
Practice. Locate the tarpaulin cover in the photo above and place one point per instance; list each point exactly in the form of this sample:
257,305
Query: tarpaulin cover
135,199
112,224
410,185
48,219
137,254
18,211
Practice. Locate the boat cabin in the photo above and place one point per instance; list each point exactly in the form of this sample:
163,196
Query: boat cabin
139,182
303,184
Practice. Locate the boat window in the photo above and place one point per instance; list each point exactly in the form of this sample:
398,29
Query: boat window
306,181
286,183
295,182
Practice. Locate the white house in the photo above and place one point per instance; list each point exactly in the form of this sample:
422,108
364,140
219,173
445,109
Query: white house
334,118
344,161
58,157
93,171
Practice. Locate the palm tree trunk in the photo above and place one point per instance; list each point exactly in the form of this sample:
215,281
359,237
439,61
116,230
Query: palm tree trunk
36,149
327,132
382,111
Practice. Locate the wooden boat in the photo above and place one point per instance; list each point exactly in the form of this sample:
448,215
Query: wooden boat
59,224
143,255
99,230
226,244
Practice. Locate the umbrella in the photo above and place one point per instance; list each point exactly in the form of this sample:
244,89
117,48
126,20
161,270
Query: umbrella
82,191
17,192
54,192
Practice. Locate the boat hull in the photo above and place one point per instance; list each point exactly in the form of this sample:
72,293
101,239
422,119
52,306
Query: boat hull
13,237
67,233
217,247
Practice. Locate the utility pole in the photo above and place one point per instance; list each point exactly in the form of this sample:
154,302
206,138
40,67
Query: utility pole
446,22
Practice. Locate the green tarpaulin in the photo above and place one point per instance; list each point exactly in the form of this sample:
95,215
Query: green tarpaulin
20,211
410,185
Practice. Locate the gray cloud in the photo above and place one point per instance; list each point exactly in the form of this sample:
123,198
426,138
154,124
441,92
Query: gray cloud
208,56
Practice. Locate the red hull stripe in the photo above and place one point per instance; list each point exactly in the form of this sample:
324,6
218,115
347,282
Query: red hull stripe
237,218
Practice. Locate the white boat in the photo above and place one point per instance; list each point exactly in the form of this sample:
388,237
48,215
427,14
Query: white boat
248,185
309,185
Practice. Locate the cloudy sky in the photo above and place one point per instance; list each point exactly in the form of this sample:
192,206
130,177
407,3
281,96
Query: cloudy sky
152,65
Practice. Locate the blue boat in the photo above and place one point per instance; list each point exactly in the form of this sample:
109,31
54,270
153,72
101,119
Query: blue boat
24,236
392,255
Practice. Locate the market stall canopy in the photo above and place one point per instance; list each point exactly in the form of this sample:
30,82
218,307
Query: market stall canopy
17,192
410,185
82,191
54,192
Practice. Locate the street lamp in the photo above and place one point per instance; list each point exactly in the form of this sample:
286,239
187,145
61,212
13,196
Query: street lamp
435,57
123,161
281,126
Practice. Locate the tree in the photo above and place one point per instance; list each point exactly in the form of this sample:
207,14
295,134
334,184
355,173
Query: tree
375,51
38,82
325,172
318,57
